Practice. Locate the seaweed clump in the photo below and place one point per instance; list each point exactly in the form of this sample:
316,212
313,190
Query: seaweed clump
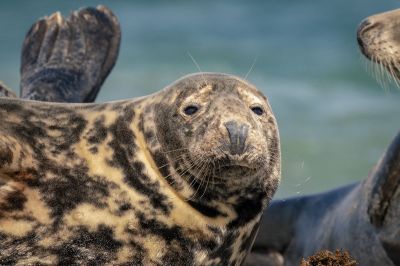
328,258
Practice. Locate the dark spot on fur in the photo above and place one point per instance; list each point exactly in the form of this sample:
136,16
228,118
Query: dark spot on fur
10,255
8,260
205,209
6,156
142,184
180,247
71,133
124,207
98,133
10,107
224,252
123,136
93,150
123,145
14,202
91,248
247,209
176,257
33,130
149,135
62,187
155,227
70,187
137,258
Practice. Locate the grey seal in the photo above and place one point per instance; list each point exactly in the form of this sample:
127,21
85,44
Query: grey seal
362,218
180,177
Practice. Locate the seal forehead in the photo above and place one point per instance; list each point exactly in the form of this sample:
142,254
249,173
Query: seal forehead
207,83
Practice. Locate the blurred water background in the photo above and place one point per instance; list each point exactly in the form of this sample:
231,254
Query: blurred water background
335,120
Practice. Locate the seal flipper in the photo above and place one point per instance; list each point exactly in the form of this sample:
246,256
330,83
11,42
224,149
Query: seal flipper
68,60
384,201
100,48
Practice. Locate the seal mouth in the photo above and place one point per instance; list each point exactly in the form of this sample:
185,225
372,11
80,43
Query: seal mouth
234,170
226,167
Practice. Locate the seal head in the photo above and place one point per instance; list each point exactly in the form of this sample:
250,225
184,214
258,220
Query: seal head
215,129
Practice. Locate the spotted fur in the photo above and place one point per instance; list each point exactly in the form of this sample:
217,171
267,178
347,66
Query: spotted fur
111,183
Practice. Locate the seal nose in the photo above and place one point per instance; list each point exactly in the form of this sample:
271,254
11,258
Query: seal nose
237,136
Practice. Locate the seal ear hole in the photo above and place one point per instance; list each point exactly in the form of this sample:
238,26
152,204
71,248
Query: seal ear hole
191,109
257,110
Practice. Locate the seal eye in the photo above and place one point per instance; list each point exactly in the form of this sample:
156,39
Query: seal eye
190,110
257,110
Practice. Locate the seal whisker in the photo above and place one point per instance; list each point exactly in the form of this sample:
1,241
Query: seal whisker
386,71
382,75
192,165
251,67
169,151
392,69
206,174
390,74
199,166
198,67
207,178
171,174
376,69
212,172
177,159
197,177
373,67
396,69
184,171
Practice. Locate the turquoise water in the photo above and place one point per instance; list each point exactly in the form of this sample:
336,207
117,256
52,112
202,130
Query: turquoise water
335,120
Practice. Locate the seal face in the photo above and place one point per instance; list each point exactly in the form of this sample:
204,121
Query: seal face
180,177
378,37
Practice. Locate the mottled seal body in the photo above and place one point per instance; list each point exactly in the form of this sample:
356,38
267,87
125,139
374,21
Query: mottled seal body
179,177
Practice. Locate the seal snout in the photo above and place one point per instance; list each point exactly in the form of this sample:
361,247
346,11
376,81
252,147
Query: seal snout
237,135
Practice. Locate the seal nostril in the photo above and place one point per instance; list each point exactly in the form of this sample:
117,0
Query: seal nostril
237,136
365,23
362,28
